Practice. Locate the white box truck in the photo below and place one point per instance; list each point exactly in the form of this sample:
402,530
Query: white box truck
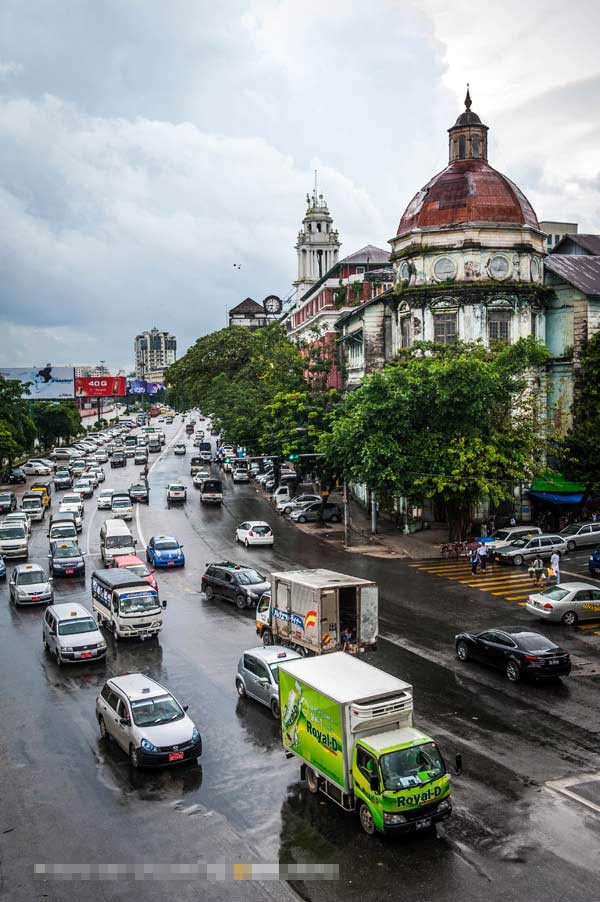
351,726
318,612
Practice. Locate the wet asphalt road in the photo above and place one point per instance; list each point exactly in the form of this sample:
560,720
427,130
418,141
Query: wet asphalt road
65,797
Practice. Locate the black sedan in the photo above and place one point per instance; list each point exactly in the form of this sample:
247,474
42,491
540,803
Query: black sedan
65,559
13,476
8,502
516,650
138,492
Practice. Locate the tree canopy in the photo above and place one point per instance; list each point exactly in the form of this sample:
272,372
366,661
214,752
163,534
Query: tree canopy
455,423
581,448
55,420
17,429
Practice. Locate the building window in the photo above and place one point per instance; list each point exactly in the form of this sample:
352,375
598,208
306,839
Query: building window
355,349
462,147
499,325
405,332
556,239
444,328
475,142
360,270
532,327
318,227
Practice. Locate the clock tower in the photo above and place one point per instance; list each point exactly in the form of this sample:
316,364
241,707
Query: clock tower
318,243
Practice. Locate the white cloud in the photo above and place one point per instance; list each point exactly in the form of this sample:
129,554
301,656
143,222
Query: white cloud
9,69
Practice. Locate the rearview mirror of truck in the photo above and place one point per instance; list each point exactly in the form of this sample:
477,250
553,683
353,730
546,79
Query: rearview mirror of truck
164,604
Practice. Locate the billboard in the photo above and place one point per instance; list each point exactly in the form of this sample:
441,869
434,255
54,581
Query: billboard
45,383
140,387
101,387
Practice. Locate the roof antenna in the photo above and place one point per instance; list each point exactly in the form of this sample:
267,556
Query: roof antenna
468,98
315,191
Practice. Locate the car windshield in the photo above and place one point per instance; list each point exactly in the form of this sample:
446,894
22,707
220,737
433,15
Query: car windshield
82,625
211,485
571,530
261,530
177,488
137,602
71,499
166,545
31,577
519,543
137,488
67,551
119,541
4,498
62,531
412,766
154,711
249,577
12,532
533,642
555,593
138,569
500,534
120,503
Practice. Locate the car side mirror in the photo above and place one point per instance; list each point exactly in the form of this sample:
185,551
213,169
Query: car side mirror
125,722
164,604
83,553
135,541
49,556
185,707
458,764
374,783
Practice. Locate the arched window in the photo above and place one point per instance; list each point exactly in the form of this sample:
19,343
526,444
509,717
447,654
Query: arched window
462,147
475,141
318,227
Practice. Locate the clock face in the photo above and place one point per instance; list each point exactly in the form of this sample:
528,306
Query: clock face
272,304
535,269
498,267
444,268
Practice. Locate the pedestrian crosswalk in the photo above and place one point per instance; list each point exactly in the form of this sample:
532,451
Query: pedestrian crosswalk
508,583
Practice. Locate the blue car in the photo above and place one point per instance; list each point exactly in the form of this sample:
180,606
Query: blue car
2,568
165,551
594,563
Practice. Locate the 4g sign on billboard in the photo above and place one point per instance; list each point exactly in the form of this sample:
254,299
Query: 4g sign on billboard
101,387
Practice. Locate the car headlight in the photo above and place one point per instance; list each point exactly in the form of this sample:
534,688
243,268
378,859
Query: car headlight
195,734
67,648
391,819
148,746
158,554
444,806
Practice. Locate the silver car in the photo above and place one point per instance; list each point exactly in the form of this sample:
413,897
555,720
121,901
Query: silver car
147,722
566,603
29,584
258,677
71,634
578,535
104,499
14,540
528,549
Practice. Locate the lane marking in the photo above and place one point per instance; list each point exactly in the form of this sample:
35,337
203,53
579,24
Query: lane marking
562,787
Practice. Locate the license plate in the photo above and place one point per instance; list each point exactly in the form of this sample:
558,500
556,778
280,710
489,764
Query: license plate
36,597
553,661
175,756
170,563
69,571
85,654
144,635
423,823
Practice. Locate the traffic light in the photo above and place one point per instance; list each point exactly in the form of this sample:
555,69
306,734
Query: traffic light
293,457
227,460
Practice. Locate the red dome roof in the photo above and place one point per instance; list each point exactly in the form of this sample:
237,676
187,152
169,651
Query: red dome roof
467,191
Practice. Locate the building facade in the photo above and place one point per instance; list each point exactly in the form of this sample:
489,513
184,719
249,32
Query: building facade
249,314
556,231
154,352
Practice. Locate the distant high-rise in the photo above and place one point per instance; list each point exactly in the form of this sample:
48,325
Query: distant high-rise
154,352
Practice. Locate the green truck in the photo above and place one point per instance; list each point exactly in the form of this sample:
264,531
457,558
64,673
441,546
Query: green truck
351,725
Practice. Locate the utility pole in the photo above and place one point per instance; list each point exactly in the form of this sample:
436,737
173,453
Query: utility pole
373,512
347,535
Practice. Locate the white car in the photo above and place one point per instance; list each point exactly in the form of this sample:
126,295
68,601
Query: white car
73,502
254,532
71,509
176,492
36,468
240,475
91,476
199,477
287,505
179,449
30,585
104,499
19,517
84,486
122,506
101,456
99,471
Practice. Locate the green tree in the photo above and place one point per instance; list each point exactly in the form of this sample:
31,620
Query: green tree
580,450
55,420
294,422
454,423
16,420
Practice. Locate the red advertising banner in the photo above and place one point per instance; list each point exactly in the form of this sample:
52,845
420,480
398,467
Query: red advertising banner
101,387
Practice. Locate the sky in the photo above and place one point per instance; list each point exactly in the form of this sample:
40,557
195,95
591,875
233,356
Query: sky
155,157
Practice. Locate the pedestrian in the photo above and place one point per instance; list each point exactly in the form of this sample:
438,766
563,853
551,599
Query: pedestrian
537,569
513,522
482,555
555,564
474,560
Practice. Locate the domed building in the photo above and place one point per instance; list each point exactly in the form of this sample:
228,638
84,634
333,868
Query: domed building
468,251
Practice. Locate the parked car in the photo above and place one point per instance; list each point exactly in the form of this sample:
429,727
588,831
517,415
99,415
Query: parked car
525,549
165,551
578,535
237,583
567,603
176,493
254,532
36,468
147,722
287,506
13,476
311,513
29,584
8,502
517,651
257,674
139,492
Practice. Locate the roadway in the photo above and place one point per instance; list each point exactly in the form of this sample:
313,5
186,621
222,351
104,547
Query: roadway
68,798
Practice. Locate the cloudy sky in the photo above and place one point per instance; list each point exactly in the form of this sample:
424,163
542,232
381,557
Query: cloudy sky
147,146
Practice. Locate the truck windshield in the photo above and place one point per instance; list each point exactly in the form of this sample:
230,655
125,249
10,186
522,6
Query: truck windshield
137,602
412,766
31,504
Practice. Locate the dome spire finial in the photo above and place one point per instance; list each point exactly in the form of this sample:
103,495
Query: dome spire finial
468,98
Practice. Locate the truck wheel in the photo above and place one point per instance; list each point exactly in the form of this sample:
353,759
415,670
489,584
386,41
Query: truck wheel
366,819
267,638
312,781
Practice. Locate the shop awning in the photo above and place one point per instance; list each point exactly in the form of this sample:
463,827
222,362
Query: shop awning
555,483
554,498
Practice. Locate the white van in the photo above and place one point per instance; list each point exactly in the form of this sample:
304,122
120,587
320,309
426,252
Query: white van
115,539
510,533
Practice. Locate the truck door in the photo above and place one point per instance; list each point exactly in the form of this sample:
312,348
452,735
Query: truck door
281,625
329,619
